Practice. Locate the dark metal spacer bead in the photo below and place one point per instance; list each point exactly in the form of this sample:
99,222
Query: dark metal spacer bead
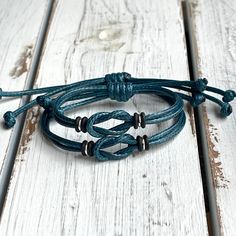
80,124
136,120
77,124
142,116
91,145
142,143
84,148
83,124
145,137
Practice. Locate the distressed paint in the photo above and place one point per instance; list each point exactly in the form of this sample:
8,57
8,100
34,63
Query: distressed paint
215,29
19,26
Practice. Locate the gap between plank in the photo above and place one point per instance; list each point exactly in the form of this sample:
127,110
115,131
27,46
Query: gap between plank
208,186
18,128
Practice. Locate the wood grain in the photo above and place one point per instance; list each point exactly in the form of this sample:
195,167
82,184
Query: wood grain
19,26
215,28
154,193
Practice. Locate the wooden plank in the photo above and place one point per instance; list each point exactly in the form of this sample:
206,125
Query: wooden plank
214,23
19,26
154,193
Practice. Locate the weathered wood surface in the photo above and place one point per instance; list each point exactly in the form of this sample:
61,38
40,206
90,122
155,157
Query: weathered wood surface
215,29
19,27
154,193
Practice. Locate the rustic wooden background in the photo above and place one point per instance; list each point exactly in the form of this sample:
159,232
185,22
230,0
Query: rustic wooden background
48,191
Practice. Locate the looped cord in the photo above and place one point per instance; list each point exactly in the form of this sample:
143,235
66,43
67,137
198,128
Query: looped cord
200,85
9,118
118,87
229,95
101,117
106,142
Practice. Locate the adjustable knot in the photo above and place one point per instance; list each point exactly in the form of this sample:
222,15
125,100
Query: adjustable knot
197,99
117,77
226,109
118,87
9,118
44,101
200,85
229,96
0,93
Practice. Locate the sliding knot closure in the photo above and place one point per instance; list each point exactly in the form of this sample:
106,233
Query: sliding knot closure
44,101
118,87
9,118
229,96
200,85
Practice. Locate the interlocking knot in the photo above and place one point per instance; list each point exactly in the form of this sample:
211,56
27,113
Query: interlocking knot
118,87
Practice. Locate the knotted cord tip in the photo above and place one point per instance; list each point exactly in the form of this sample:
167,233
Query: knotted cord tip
44,101
9,118
226,109
197,99
200,85
229,96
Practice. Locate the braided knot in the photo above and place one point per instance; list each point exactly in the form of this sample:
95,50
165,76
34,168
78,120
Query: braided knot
200,85
226,109
197,99
0,93
9,118
118,87
44,101
229,96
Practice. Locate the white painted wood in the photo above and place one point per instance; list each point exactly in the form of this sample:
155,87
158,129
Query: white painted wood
19,26
215,27
53,192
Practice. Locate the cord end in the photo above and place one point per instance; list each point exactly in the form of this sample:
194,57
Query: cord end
44,101
9,118
229,95
226,109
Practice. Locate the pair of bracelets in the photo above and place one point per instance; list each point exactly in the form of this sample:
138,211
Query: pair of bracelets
57,101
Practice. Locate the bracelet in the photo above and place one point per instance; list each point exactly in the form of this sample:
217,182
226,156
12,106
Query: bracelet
58,100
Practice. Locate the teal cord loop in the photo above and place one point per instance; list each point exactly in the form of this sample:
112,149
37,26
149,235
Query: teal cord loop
101,117
57,101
